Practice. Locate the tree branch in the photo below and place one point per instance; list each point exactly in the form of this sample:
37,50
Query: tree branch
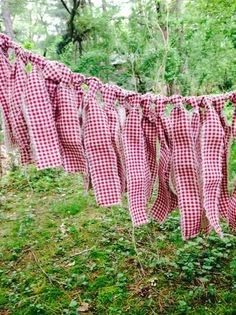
65,6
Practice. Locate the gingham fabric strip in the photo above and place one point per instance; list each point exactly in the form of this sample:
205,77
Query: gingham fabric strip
5,72
18,121
196,122
232,202
218,103
41,123
138,179
185,169
150,136
109,104
99,150
67,123
166,200
212,156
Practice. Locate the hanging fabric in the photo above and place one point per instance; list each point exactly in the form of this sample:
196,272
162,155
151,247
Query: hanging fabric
166,200
99,150
137,172
20,128
41,122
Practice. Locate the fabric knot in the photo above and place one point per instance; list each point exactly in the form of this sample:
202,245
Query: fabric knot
121,96
146,104
94,85
205,101
219,102
66,75
176,100
51,72
4,43
161,102
77,80
193,101
133,100
232,97
108,96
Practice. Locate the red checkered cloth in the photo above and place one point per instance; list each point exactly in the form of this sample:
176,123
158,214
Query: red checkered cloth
212,159
5,73
99,150
150,136
166,200
218,103
185,169
196,122
67,123
41,122
109,103
232,201
17,117
137,170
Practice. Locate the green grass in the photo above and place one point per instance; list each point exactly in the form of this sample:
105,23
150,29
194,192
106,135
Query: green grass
59,251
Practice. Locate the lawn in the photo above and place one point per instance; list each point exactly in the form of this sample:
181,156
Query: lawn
61,254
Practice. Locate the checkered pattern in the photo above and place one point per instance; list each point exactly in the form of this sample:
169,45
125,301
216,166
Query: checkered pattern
19,125
5,72
150,136
137,171
99,150
166,200
50,111
109,103
232,201
196,122
185,168
218,103
212,158
40,120
67,123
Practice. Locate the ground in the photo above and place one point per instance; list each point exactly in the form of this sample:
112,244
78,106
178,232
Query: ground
61,254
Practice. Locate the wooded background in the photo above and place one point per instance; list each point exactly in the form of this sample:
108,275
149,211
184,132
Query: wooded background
164,46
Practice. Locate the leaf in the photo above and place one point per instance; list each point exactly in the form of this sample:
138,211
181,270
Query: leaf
203,279
73,303
84,307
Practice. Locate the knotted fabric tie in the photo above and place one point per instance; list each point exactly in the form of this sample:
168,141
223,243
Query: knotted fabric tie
150,136
109,104
232,201
137,171
5,71
67,123
99,150
166,200
212,158
185,169
18,117
41,122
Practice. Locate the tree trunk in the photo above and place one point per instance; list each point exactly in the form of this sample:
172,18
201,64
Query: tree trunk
6,14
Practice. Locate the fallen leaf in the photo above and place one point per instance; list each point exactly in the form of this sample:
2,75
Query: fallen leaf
84,307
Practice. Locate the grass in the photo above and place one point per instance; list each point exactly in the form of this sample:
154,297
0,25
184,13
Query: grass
61,254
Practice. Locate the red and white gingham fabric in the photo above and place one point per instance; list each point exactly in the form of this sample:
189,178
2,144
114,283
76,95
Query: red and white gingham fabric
218,103
185,169
166,200
18,121
109,104
41,122
232,201
5,72
150,136
99,150
212,157
67,123
137,171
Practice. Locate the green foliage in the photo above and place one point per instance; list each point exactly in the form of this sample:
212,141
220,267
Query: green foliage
59,252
